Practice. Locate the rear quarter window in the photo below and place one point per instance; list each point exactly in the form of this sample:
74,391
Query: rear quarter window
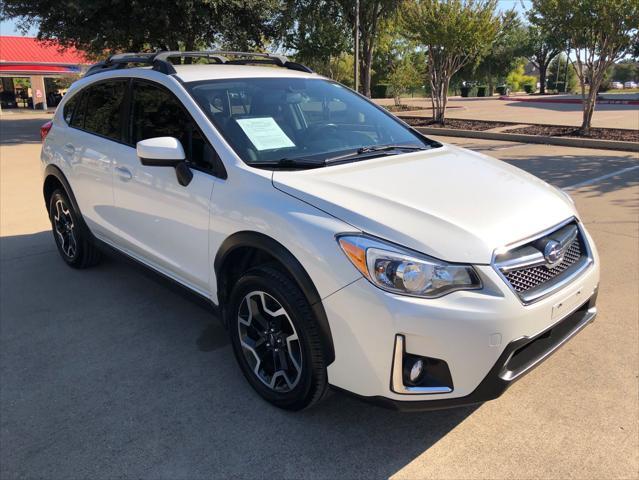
69,107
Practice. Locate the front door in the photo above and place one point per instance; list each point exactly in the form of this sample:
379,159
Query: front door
157,219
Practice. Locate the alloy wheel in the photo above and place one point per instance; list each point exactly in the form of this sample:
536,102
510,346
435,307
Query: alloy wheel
65,228
269,341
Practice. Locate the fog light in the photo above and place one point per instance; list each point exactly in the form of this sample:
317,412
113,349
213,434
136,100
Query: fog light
416,370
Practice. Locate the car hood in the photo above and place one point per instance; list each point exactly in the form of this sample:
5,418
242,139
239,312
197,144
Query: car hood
450,203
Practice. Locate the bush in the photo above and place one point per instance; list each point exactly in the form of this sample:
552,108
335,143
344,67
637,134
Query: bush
468,91
380,90
404,77
516,79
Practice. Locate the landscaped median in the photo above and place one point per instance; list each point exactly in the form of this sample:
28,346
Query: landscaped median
603,138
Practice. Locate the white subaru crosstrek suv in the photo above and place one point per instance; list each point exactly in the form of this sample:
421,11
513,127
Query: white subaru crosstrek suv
340,246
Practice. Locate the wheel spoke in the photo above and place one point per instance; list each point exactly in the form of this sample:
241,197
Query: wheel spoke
270,341
289,349
279,358
252,351
65,229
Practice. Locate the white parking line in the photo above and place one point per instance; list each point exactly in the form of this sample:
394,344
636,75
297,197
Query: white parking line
599,179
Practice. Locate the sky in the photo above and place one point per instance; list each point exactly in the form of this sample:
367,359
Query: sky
9,27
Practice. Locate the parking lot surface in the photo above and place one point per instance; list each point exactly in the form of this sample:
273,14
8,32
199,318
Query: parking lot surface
107,373
513,110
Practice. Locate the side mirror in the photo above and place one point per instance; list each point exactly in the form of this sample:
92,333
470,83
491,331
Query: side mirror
160,152
165,152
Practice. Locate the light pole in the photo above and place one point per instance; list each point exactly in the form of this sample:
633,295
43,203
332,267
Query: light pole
356,61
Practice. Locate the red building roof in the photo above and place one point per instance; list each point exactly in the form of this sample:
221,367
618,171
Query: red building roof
29,50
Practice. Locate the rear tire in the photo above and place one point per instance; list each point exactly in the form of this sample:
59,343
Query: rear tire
276,339
72,238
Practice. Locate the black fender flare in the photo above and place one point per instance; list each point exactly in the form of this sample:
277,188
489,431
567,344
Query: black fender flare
55,171
292,266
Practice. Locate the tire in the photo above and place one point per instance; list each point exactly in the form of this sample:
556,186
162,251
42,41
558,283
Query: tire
71,236
280,355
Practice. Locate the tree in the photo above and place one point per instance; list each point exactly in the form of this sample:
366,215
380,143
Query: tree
317,43
540,48
403,77
505,52
626,71
455,33
562,76
101,26
372,14
599,33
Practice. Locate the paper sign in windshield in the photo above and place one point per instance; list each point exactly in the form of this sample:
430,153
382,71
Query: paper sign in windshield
265,133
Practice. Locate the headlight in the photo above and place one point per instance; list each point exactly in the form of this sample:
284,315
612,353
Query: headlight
398,270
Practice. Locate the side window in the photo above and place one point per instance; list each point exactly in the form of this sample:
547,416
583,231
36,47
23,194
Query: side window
157,113
78,116
104,107
69,107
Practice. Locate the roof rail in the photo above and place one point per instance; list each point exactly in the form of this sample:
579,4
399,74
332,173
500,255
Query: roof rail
160,61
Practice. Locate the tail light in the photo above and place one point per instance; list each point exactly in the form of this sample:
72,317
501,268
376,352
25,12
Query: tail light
44,130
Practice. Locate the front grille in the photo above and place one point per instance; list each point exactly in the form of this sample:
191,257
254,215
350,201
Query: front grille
525,279
528,271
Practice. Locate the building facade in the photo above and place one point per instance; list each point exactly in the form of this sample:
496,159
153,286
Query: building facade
33,73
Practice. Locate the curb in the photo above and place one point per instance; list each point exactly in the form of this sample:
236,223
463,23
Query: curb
573,101
521,138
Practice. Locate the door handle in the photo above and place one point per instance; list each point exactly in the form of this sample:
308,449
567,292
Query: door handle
69,149
124,173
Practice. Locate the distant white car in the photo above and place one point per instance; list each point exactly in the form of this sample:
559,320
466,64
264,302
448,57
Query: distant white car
340,246
630,85
616,85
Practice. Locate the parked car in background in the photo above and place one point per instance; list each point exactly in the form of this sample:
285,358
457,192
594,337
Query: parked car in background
616,85
339,245
630,85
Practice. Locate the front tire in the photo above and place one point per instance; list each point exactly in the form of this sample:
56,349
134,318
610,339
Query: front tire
71,237
276,340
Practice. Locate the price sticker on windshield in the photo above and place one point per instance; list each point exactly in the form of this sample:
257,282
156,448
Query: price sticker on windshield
265,133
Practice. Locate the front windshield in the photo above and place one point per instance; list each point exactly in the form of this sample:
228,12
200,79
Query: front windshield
296,119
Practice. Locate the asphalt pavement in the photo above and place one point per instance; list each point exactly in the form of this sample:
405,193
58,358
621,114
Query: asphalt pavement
107,373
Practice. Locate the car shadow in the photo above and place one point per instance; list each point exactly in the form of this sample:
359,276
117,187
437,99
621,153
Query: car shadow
107,373
568,171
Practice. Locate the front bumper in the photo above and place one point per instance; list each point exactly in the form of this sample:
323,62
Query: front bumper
518,358
487,338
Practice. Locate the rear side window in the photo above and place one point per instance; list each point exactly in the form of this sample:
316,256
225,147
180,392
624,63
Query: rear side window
158,113
69,107
78,116
103,114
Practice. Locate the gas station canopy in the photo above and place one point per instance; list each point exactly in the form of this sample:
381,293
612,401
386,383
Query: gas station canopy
29,56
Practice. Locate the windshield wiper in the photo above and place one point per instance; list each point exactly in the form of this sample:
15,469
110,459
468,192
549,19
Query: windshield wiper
300,163
382,149
287,163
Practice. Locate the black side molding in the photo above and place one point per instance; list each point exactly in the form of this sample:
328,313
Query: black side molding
293,267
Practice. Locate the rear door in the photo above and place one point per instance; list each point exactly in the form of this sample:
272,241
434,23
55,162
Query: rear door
93,140
157,219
